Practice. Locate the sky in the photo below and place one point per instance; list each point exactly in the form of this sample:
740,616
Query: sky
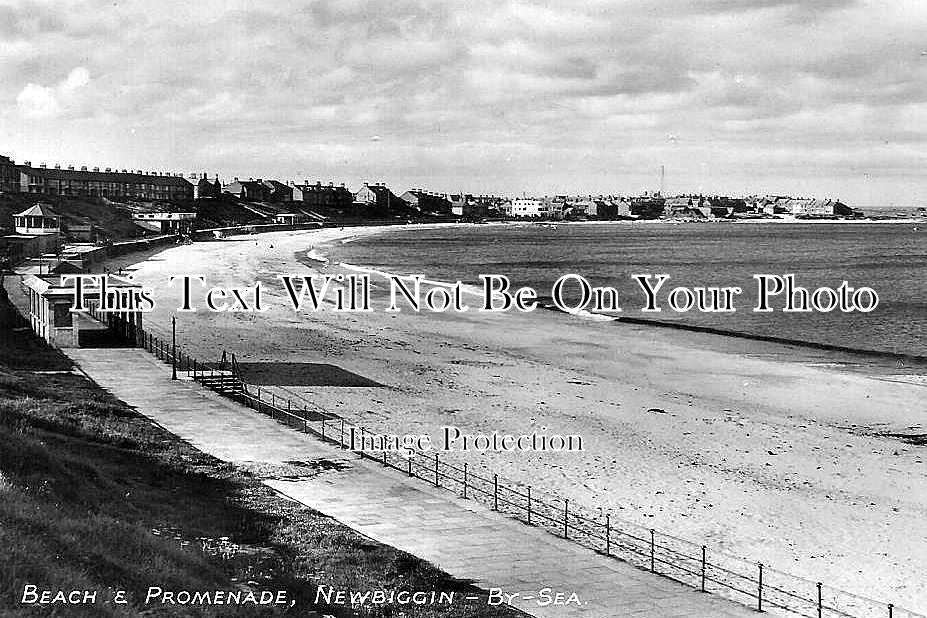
825,98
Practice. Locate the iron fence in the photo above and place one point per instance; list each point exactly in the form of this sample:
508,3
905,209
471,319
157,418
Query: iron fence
711,571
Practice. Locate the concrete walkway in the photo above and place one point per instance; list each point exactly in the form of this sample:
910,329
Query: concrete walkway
462,537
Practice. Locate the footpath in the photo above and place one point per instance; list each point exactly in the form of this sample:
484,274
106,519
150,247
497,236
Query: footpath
462,537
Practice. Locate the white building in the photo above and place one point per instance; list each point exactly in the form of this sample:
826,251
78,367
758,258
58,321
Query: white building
37,220
528,207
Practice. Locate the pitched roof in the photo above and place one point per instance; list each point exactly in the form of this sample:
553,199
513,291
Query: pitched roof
39,210
378,189
276,185
119,177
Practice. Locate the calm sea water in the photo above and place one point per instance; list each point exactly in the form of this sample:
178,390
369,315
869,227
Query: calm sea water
892,259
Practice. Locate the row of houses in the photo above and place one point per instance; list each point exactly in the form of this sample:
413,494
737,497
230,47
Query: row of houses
372,195
92,183
166,186
656,206
800,207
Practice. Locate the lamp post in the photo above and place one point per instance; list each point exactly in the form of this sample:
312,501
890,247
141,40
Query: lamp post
173,347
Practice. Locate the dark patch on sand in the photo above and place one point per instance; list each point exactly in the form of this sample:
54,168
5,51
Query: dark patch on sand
302,374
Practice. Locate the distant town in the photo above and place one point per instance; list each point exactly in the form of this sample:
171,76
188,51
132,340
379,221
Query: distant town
43,206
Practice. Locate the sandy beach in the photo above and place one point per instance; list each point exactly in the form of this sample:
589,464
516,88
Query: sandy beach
725,442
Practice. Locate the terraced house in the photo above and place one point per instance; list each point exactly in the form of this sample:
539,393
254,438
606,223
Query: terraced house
9,176
329,196
72,182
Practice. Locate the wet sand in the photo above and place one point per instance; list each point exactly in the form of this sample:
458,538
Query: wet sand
763,450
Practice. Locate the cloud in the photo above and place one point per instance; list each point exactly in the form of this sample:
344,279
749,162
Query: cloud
532,94
36,101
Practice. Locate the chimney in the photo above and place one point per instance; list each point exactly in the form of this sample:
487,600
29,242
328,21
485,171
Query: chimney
83,168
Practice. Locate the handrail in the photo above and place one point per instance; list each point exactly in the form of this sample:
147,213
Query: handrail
658,552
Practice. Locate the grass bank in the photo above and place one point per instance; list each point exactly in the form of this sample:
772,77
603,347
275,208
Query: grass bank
93,496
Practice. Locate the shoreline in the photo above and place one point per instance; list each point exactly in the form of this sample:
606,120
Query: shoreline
863,354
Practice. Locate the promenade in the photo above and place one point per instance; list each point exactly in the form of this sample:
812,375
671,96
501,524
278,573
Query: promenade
462,537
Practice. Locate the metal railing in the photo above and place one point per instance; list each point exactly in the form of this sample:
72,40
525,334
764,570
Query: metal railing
711,571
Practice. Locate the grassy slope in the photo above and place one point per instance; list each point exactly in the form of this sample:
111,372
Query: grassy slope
224,211
117,225
93,496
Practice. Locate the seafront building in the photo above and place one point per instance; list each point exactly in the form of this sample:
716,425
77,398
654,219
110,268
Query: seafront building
800,207
92,183
248,190
377,195
427,201
9,176
165,222
204,188
526,207
333,196
37,220
152,186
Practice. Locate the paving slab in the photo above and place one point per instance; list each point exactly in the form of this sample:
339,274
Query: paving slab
462,537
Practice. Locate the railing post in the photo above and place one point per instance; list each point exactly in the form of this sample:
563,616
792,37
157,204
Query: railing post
384,457
891,610
759,588
566,515
529,505
652,552
437,479
411,454
341,435
323,423
465,481
495,492
820,603
173,347
608,534
703,567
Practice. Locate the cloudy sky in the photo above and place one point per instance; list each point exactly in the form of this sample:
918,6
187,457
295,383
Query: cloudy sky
824,97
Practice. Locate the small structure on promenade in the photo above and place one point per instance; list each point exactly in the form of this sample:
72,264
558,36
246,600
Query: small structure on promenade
38,231
165,222
37,220
50,316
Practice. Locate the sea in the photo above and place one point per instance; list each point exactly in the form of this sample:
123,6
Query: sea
889,258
